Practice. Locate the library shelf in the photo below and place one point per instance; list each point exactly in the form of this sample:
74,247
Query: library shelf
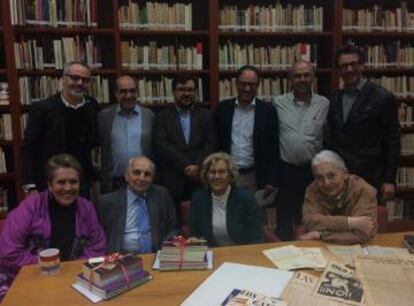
161,33
7,177
170,72
291,35
64,30
58,72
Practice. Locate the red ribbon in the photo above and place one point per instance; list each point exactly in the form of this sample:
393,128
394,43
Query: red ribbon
112,259
181,242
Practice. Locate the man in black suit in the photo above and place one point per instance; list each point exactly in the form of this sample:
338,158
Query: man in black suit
363,124
247,129
138,218
63,123
183,136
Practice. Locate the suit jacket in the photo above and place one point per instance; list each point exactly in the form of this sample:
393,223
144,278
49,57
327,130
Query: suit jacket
369,140
173,153
265,137
105,121
45,135
243,220
112,209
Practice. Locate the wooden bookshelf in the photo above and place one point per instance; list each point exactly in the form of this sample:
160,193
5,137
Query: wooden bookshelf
206,28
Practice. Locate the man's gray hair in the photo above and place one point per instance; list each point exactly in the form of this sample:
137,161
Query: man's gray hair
327,156
133,159
71,63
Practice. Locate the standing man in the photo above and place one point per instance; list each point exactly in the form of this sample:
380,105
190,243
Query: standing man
363,125
183,136
138,218
247,129
302,115
63,123
125,131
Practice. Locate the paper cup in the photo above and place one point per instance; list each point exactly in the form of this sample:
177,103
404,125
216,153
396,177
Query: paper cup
49,260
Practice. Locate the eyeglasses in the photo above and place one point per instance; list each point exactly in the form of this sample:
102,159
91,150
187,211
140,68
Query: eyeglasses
247,84
76,78
350,64
124,91
185,89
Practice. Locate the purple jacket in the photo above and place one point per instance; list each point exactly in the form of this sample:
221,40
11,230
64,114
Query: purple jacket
27,230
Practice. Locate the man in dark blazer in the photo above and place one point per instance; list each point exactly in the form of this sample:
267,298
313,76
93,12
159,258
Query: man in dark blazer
125,131
183,136
247,129
141,216
63,123
363,125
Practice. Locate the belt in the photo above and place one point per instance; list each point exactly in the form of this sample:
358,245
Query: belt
245,170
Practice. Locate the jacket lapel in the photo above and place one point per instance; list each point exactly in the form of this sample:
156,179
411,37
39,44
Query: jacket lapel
360,103
152,210
177,128
120,217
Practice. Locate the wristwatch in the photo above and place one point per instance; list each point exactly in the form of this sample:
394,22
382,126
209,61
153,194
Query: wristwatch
28,187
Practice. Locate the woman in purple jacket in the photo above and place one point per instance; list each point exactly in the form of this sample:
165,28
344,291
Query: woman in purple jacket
55,218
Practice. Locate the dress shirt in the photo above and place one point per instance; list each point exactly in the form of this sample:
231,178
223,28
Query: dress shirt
300,127
242,135
349,98
185,121
76,106
137,235
125,139
219,218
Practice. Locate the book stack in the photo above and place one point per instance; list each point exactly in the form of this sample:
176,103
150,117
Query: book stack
183,254
113,276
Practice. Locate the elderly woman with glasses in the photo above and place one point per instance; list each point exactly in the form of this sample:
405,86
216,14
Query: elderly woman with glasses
223,213
339,207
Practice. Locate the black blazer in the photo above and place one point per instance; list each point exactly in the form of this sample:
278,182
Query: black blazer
243,219
112,209
369,140
172,152
265,137
45,135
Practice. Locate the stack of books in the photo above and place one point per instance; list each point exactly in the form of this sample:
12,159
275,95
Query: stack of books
183,254
114,276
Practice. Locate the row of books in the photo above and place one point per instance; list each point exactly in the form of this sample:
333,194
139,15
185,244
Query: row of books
163,57
273,18
376,18
399,209
150,15
3,166
54,13
393,54
405,177
36,88
4,93
405,114
407,144
44,53
23,123
6,127
3,201
268,89
400,86
234,55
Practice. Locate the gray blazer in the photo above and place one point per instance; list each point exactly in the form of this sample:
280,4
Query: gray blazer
112,214
105,121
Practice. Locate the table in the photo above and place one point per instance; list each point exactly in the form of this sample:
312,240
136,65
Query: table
166,288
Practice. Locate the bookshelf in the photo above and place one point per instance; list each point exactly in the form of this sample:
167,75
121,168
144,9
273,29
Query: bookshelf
155,40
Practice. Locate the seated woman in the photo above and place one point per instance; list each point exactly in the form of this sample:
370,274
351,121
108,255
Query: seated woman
223,213
339,207
55,218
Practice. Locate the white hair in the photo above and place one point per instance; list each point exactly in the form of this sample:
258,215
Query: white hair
327,156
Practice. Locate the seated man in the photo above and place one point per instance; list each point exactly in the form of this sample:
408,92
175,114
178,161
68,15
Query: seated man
137,219
339,207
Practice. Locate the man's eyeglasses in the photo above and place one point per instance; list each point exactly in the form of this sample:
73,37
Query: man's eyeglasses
76,78
131,91
350,64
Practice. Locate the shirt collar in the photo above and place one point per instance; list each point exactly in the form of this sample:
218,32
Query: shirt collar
135,111
358,88
251,105
67,104
297,102
132,196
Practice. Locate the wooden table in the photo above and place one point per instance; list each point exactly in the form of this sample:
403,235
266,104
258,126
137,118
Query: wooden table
166,288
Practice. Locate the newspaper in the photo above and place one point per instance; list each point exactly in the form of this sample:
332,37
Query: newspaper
291,257
386,280
339,283
345,252
299,291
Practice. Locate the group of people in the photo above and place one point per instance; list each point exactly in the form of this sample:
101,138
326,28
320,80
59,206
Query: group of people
301,144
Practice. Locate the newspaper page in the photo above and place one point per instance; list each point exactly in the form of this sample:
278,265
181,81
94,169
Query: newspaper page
299,291
387,251
345,252
386,280
338,283
291,257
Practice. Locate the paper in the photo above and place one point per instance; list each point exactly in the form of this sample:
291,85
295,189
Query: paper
91,296
345,252
210,263
268,200
217,286
240,297
291,257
